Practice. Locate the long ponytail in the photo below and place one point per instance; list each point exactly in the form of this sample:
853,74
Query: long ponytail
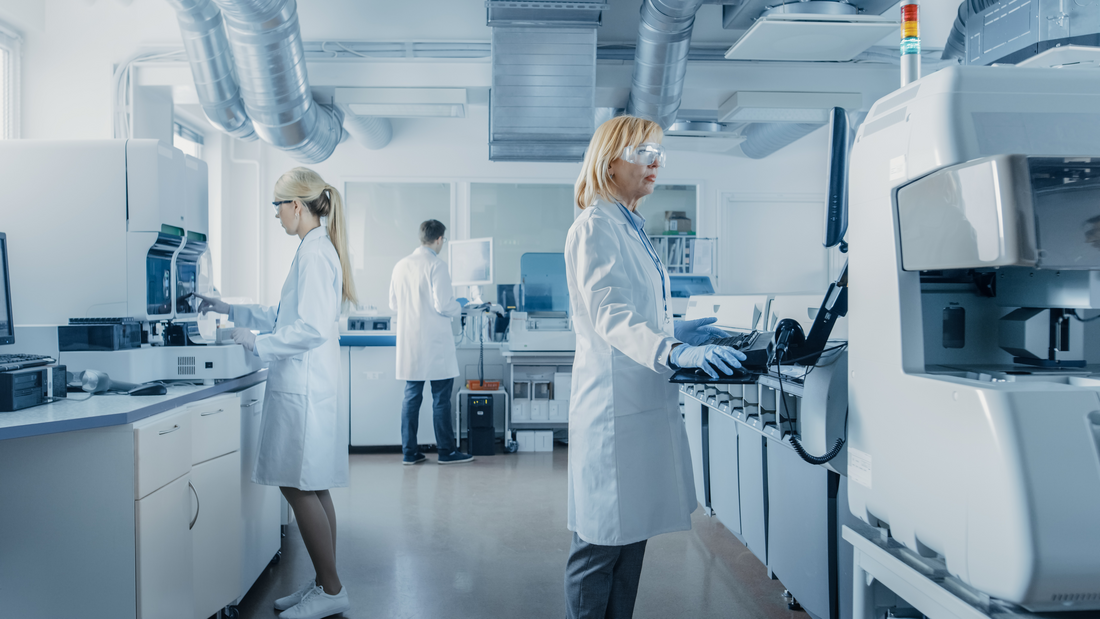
323,200
337,232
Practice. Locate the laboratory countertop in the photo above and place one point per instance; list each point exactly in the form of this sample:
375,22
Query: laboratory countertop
66,415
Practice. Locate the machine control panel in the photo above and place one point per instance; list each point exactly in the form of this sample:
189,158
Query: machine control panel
368,323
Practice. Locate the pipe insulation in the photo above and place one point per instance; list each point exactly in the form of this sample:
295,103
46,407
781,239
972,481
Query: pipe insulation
660,59
370,131
267,48
211,60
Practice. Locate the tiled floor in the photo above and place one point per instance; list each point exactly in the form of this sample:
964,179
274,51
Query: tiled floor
488,539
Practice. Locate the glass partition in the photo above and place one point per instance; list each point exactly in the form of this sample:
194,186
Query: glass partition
521,218
384,227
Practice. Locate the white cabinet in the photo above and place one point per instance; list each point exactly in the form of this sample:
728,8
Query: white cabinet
164,580
376,397
216,535
216,531
260,517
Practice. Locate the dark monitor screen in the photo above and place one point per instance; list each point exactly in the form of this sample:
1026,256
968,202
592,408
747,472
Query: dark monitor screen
836,207
7,323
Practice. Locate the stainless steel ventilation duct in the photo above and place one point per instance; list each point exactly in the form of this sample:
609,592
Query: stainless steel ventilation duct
270,60
956,41
542,101
370,131
212,66
660,59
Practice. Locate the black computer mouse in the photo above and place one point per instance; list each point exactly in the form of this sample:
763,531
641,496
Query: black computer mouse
149,389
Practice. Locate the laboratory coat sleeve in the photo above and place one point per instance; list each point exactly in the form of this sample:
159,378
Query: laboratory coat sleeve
443,299
255,317
605,289
318,310
393,292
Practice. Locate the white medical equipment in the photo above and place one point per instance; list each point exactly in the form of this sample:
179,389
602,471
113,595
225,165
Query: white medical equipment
973,193
123,233
471,263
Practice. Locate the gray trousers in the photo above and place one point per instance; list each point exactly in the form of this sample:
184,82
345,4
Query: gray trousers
601,582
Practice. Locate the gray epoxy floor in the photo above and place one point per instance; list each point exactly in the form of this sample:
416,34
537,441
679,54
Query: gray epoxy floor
488,539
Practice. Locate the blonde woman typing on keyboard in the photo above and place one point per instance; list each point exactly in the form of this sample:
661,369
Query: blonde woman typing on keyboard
630,472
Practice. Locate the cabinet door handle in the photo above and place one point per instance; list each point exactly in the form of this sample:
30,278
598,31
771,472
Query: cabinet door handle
220,410
198,506
254,402
174,428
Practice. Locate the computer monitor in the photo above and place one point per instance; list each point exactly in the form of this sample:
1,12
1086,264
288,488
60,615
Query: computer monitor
7,321
836,206
472,262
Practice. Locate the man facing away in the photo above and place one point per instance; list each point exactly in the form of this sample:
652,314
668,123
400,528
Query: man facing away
421,294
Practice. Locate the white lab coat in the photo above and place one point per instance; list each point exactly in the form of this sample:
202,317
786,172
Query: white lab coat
421,294
630,472
303,444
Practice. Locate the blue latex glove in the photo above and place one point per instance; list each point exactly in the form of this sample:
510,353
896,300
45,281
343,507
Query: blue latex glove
463,301
711,359
696,332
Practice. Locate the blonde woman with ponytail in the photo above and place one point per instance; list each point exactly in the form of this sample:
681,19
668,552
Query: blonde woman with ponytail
303,446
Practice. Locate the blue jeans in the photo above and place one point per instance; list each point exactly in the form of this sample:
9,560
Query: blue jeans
441,416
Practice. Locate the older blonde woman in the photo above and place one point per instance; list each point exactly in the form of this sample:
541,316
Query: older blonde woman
630,472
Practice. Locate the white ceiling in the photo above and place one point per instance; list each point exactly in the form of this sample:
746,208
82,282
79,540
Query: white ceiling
464,20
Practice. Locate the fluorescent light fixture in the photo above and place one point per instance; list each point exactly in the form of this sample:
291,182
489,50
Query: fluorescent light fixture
788,107
403,102
804,37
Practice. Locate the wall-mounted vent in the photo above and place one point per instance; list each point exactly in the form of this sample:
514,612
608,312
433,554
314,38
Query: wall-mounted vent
185,366
1075,597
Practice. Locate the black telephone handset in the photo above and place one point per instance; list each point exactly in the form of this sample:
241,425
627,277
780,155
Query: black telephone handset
788,337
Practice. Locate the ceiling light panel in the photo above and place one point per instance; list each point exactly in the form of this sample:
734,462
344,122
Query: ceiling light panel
794,107
811,38
403,102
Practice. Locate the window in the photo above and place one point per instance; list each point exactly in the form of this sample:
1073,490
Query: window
521,218
669,198
384,226
10,59
188,140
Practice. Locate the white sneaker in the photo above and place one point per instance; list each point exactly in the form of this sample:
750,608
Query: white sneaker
317,604
294,598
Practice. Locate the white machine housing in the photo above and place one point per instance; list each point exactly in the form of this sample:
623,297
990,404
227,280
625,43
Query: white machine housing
155,363
541,332
123,204
992,466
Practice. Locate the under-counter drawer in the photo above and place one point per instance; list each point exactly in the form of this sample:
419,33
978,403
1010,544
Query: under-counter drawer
216,427
162,450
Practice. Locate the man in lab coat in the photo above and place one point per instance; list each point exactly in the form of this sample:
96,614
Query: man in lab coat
421,294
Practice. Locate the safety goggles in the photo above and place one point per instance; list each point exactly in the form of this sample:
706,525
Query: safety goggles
279,203
645,154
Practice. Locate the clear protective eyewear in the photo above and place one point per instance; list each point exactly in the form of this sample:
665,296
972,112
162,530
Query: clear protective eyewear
278,204
645,154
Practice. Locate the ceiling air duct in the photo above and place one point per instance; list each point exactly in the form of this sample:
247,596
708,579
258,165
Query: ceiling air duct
270,60
207,50
660,59
542,102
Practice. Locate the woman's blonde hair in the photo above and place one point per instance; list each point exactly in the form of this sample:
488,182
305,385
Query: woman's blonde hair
322,200
606,146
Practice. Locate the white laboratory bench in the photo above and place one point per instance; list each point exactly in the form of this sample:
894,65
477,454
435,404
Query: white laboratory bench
140,507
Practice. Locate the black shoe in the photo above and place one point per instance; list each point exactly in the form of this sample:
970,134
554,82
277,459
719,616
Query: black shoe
455,457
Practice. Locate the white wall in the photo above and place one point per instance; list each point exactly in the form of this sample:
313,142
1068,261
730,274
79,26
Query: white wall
455,150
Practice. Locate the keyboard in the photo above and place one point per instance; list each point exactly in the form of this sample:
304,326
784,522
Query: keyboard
17,361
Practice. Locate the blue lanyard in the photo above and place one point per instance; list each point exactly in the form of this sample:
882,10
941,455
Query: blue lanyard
650,250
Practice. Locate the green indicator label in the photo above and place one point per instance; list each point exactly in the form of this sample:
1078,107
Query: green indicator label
173,230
